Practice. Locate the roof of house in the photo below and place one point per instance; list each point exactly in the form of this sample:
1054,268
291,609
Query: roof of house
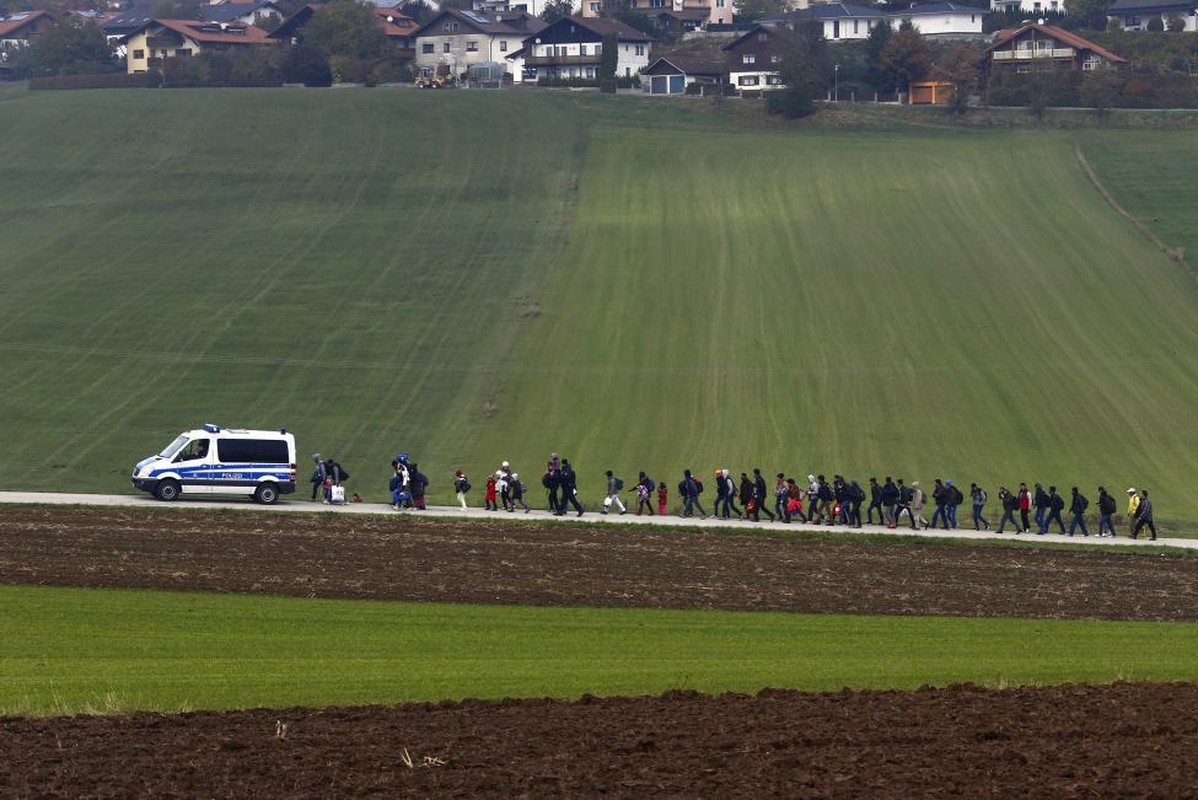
212,32
518,23
603,26
227,12
785,34
937,8
1179,6
129,21
18,20
694,14
293,22
823,11
394,23
693,65
1060,34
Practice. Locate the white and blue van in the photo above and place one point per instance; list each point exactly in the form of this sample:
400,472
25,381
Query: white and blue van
224,461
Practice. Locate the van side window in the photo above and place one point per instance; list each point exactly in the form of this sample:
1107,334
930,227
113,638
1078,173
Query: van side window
194,451
252,451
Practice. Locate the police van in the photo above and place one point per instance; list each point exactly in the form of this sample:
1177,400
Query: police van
221,461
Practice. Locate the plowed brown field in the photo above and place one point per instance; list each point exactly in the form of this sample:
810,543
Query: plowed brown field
1123,740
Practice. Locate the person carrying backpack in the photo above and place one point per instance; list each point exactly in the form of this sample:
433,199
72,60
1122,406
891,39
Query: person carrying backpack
1106,513
875,501
569,489
1056,504
1077,507
940,498
461,485
979,497
955,498
1009,503
615,485
856,498
690,488
644,494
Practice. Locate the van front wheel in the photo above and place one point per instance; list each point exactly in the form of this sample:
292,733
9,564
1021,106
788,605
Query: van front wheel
266,494
168,490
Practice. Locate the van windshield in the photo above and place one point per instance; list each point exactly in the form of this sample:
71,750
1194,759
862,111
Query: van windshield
173,447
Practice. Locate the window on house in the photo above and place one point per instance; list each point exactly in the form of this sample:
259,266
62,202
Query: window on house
471,47
763,37
426,48
582,49
719,3
503,45
773,80
747,80
640,49
855,24
139,54
445,47
748,58
184,53
775,59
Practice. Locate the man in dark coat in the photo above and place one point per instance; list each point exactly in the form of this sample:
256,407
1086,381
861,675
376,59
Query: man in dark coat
568,484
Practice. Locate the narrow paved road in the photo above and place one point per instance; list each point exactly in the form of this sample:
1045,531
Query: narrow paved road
304,506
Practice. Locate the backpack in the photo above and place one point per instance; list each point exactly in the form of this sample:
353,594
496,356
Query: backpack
1058,502
650,485
907,495
619,483
698,486
465,486
982,496
1082,502
957,498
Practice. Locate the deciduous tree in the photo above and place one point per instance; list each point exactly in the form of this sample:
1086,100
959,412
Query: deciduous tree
906,57
70,46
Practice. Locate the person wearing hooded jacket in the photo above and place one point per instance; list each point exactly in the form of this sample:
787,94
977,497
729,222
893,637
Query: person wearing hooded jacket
1106,513
1077,508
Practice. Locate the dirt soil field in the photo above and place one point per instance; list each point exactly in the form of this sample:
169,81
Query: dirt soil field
1123,740
494,560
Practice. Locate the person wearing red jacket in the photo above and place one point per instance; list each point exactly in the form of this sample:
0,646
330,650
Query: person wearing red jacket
1025,505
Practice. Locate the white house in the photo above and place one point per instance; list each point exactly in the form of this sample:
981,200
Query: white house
1133,15
572,47
847,21
454,40
1029,7
944,20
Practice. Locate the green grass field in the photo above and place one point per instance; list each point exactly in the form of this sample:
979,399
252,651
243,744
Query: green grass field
87,650
638,285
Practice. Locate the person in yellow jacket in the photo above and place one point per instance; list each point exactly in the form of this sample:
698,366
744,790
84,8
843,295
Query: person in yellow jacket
1133,504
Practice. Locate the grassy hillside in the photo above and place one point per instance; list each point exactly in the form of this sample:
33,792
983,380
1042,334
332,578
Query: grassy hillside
637,285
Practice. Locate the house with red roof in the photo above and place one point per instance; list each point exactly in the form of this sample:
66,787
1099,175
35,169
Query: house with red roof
19,28
159,39
1036,46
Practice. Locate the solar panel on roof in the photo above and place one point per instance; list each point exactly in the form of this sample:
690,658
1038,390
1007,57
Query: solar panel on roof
476,17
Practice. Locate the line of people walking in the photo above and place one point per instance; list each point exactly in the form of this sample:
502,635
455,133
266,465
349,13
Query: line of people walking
815,501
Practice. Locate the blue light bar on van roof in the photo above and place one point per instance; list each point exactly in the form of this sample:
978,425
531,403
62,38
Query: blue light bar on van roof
282,430
210,428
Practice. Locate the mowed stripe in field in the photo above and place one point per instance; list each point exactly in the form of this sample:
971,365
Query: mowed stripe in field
957,306
221,266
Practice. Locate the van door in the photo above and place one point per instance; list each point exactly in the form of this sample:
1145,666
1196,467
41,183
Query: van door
194,465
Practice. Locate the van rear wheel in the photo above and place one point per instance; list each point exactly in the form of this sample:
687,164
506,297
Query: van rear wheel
266,494
168,490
